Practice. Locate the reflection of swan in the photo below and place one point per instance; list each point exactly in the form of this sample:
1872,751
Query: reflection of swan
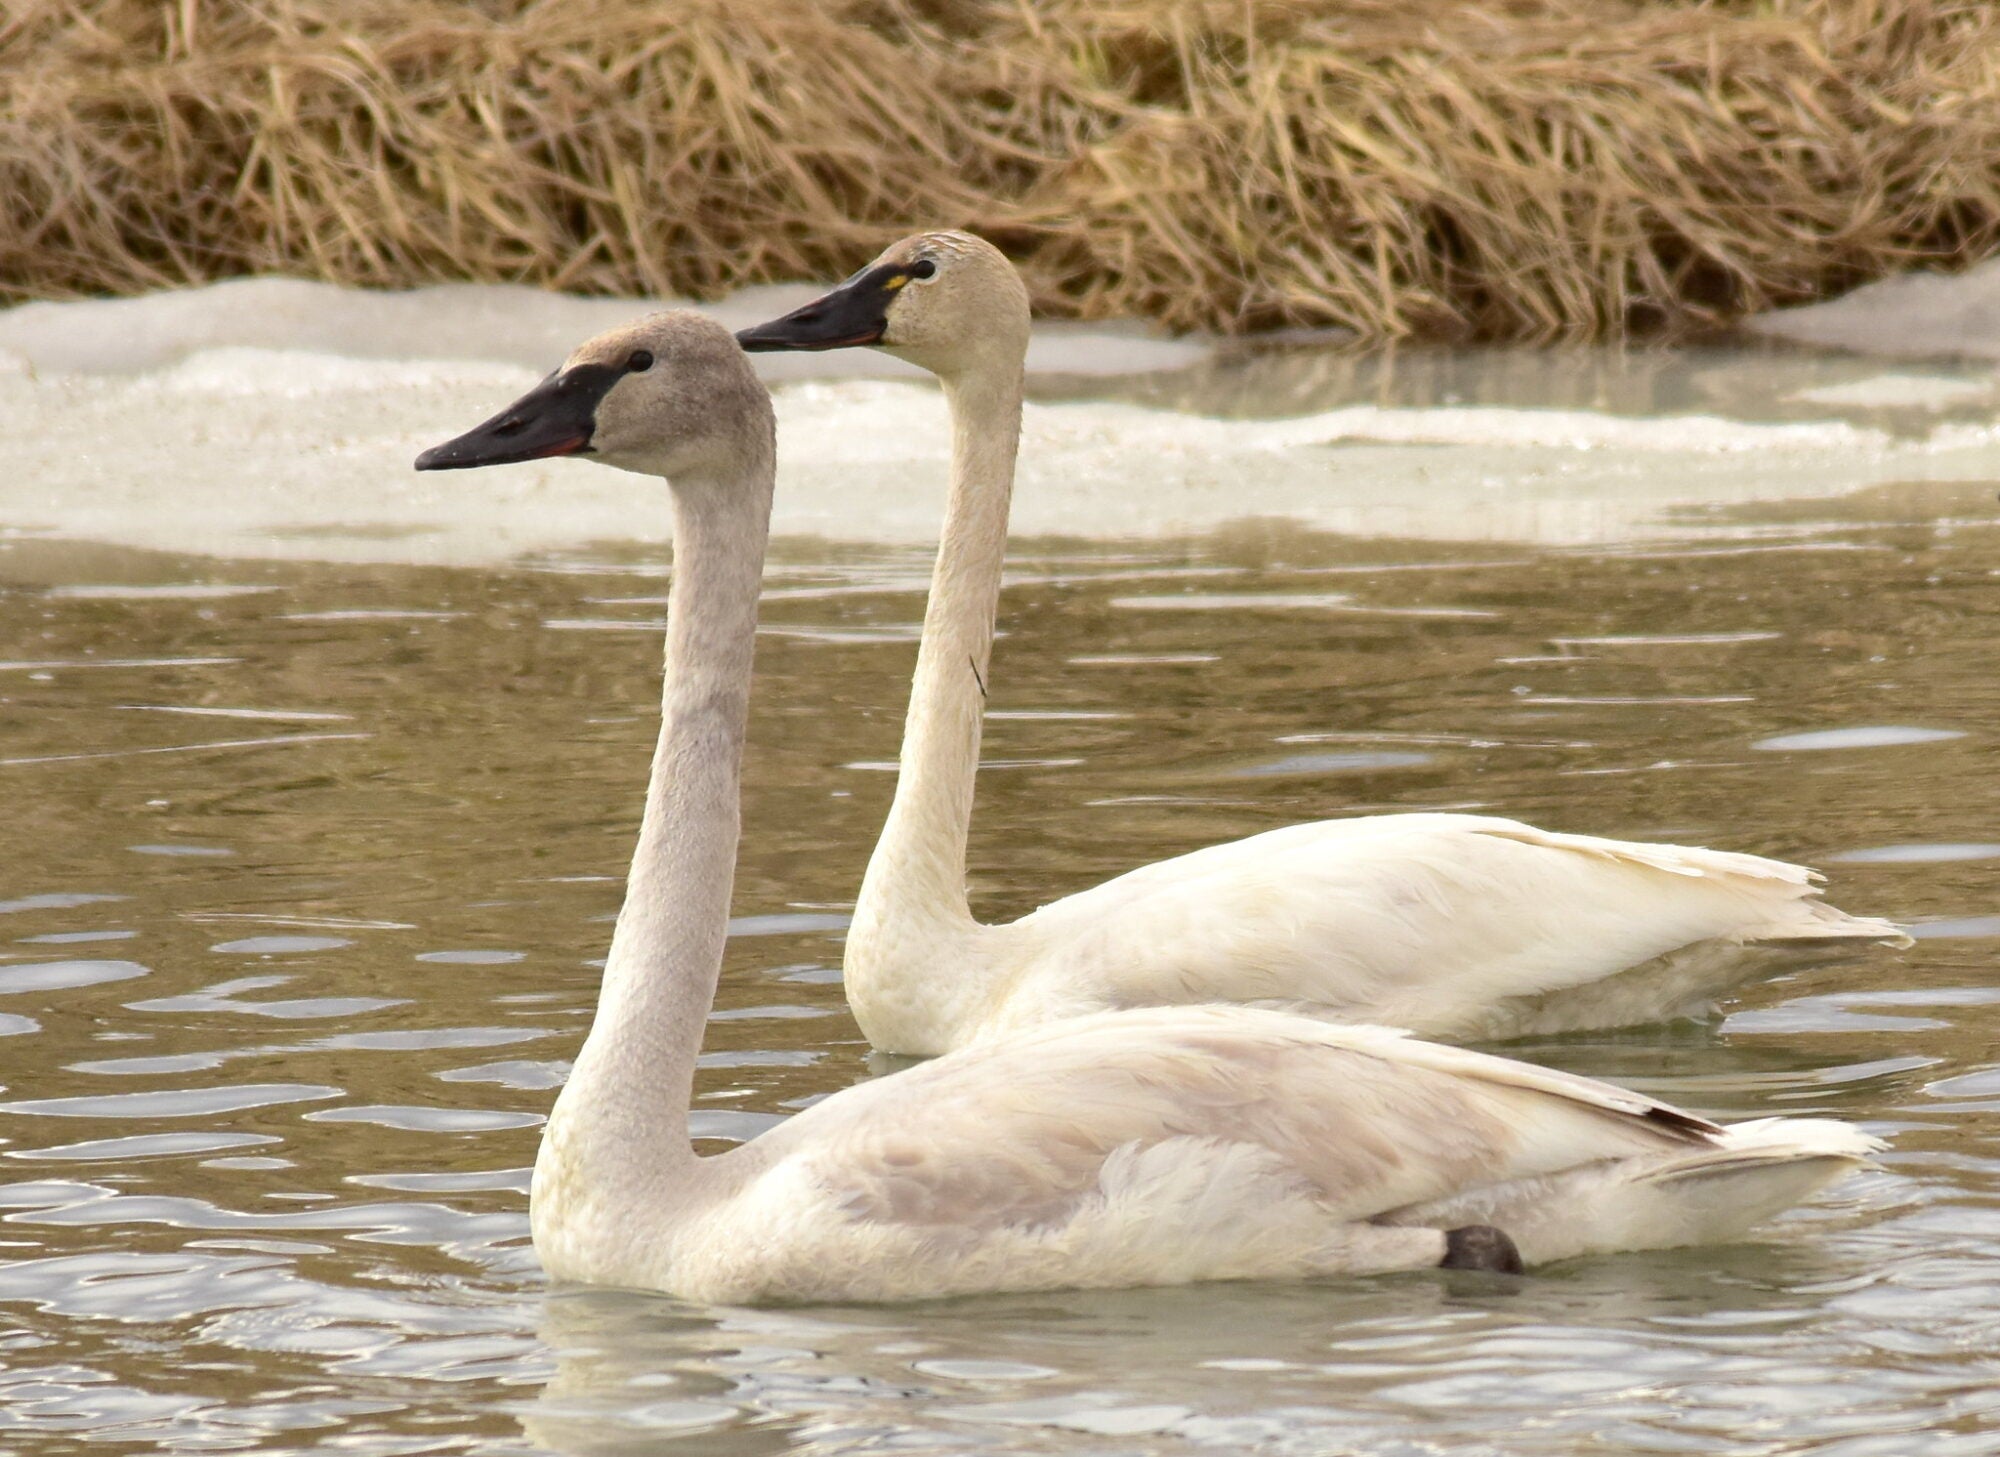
632,1370
1127,1148
1453,925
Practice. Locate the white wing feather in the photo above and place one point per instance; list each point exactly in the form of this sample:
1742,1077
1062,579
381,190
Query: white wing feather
1443,923
1185,1143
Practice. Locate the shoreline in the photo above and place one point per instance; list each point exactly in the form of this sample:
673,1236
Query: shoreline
1548,171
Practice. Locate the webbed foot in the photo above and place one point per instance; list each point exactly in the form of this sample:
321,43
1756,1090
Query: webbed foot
1480,1247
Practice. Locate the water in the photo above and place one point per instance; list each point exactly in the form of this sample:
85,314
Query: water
311,865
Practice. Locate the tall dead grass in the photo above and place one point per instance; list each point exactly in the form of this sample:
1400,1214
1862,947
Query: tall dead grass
1461,168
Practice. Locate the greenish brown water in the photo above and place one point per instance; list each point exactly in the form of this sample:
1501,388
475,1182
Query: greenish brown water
307,883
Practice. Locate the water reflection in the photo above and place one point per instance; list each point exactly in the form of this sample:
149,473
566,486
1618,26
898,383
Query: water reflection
1745,381
1576,1356
313,881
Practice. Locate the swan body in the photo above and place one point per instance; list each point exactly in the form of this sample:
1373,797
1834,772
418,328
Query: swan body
1460,926
1173,1145
1456,926
1154,1146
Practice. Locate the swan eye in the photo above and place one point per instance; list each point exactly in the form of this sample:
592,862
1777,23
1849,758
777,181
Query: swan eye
923,268
640,361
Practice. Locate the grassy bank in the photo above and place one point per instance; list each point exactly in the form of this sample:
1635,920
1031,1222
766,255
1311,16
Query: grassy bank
1490,169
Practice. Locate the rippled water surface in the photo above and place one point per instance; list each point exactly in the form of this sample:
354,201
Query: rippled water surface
309,870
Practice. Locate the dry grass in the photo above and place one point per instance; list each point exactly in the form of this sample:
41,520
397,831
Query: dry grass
1464,168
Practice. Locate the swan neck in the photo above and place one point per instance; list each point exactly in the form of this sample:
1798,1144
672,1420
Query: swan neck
628,1096
918,869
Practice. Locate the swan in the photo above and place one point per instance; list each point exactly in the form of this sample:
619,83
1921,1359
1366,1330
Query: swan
1463,927
1154,1146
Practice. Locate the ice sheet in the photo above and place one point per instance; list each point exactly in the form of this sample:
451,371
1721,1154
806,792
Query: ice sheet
279,419
1911,316
528,327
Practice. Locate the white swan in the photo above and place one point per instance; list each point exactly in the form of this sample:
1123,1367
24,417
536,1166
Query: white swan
1147,1147
1457,926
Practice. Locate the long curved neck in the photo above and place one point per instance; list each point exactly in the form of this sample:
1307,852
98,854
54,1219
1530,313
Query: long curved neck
917,872
627,1099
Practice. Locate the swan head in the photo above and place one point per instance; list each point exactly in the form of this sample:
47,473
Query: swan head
670,395
945,301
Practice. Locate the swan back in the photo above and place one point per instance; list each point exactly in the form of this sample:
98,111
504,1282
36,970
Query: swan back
1174,1144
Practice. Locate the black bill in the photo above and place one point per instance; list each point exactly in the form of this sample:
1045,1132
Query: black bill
855,313
556,417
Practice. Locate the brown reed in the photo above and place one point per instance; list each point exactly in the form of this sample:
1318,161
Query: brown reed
1523,169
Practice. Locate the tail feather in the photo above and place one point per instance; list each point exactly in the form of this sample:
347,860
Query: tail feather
1801,1136
1815,920
1801,916
1690,860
